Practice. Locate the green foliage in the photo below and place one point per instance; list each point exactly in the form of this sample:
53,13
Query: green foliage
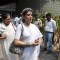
33,18
38,14
43,21
58,22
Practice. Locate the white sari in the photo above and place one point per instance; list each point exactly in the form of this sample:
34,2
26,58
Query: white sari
29,35
9,31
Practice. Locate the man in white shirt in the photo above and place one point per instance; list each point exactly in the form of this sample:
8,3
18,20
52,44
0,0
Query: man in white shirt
50,27
18,19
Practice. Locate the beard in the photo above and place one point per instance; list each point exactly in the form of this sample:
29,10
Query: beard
48,19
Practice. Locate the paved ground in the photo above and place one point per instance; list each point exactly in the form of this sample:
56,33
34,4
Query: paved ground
42,56
45,56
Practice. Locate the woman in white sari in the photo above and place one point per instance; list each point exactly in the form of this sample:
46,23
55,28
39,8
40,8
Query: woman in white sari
31,36
7,36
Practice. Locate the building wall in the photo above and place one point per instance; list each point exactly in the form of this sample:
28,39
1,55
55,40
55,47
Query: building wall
34,4
42,6
52,6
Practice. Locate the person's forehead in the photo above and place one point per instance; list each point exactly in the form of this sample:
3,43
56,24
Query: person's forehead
29,12
8,16
48,16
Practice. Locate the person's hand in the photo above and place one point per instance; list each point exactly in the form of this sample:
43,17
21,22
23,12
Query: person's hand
3,36
36,42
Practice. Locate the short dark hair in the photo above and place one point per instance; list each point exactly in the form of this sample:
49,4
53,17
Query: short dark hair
4,15
48,14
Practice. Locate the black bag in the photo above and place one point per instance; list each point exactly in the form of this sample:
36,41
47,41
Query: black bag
15,49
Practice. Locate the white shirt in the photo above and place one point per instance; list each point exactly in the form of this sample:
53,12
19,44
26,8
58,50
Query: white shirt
50,26
17,19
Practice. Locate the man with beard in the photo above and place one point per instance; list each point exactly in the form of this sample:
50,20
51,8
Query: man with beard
50,27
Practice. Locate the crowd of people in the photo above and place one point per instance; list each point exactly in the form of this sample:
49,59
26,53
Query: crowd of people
31,38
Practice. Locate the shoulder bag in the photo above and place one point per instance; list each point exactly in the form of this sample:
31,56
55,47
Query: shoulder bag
15,49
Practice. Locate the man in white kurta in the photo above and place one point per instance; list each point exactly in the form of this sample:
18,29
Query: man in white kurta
30,33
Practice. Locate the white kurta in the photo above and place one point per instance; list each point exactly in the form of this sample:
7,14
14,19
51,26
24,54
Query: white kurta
9,31
30,33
